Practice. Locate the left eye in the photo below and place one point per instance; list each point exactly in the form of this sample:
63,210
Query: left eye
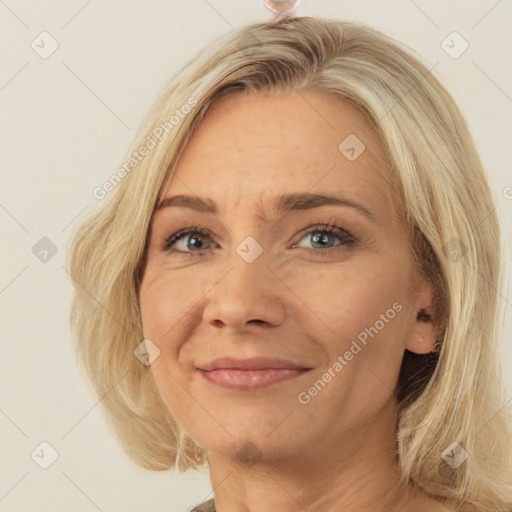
323,235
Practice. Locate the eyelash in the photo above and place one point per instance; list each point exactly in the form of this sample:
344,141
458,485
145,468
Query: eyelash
347,239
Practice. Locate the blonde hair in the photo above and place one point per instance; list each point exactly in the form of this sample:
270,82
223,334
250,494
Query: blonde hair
440,190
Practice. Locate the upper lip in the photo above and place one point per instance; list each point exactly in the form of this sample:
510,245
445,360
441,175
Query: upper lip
254,363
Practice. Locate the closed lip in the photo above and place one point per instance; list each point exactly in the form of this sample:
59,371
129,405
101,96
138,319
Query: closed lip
254,363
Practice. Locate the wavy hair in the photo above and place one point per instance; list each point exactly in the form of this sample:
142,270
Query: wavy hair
440,189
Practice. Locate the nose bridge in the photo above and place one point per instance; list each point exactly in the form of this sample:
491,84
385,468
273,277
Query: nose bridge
248,267
246,291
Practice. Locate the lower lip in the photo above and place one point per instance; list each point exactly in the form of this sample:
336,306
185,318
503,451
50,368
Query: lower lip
249,379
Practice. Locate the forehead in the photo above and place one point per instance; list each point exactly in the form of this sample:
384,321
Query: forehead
252,146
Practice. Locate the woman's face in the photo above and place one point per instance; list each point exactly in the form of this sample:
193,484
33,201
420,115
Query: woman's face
252,280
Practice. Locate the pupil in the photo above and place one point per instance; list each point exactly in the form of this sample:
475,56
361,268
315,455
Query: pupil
192,241
319,238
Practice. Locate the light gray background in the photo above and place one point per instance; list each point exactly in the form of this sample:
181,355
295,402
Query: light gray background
66,122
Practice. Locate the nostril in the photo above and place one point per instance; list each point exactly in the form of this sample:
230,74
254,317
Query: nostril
257,320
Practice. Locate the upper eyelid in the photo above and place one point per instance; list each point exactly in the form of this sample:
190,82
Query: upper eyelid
315,225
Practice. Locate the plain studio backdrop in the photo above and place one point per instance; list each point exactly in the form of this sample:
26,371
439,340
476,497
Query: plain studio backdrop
76,79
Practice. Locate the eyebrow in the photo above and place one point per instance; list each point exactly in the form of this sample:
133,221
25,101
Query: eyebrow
283,203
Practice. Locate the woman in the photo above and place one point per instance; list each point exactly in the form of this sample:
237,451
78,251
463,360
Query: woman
293,282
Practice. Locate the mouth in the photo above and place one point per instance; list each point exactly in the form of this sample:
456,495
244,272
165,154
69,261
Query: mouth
249,379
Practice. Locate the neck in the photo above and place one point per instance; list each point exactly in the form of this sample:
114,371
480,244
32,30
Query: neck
347,471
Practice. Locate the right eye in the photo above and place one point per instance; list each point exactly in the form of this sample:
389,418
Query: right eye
183,236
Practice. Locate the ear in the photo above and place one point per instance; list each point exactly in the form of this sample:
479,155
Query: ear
422,334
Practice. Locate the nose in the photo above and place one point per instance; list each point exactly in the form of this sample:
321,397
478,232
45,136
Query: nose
248,295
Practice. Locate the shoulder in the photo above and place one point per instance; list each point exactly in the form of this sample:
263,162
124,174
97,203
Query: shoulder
207,506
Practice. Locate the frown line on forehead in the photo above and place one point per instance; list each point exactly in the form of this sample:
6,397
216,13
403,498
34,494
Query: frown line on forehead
280,204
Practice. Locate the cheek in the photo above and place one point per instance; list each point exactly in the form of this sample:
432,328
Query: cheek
164,302
353,296
365,313
362,312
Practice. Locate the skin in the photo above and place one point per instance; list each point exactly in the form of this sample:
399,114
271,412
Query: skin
335,452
